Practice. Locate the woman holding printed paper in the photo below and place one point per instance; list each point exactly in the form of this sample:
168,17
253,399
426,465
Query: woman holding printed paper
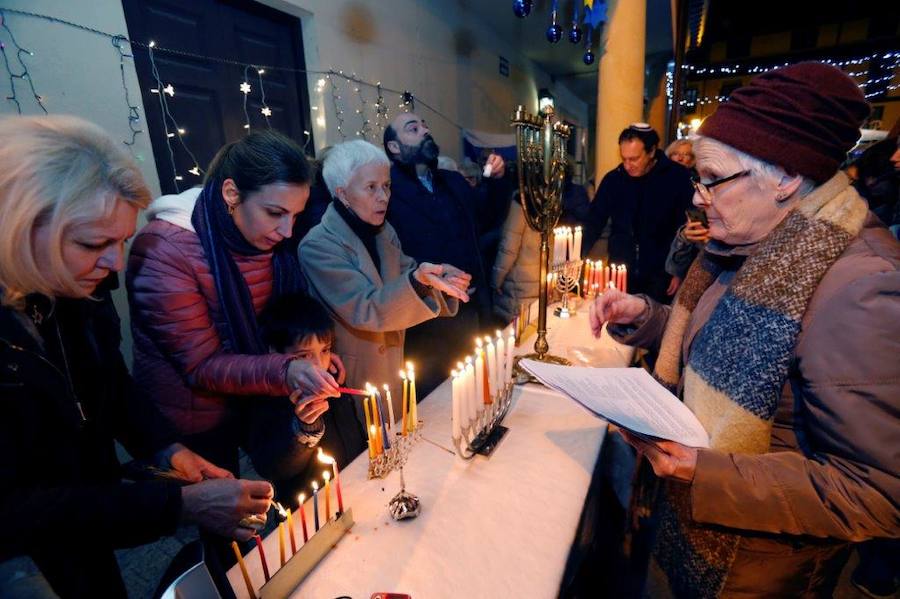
783,341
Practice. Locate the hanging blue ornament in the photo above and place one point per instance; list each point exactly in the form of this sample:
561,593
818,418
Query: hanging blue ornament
588,57
522,8
554,32
575,29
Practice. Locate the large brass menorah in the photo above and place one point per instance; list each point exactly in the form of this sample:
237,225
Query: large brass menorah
541,149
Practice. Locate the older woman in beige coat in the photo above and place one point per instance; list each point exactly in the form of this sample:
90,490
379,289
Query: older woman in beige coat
354,265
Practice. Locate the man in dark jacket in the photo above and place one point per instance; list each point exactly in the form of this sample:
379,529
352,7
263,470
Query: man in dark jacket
645,199
439,218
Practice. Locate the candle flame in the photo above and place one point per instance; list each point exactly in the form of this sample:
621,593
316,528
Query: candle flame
468,360
315,486
385,387
325,458
301,498
459,365
403,375
409,366
499,334
326,475
478,342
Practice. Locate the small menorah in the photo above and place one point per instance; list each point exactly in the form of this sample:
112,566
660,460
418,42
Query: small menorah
566,277
483,432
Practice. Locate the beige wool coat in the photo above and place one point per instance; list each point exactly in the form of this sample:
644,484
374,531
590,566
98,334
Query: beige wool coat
371,309
514,279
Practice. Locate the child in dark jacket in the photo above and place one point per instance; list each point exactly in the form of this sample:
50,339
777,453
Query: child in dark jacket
299,325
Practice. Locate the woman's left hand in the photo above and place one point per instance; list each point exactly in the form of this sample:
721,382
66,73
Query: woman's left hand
498,166
337,369
432,276
308,410
456,277
191,466
668,458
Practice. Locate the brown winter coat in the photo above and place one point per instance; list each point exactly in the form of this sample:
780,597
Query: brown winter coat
514,279
832,474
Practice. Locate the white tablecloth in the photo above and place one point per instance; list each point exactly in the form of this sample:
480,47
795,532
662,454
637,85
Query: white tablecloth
491,527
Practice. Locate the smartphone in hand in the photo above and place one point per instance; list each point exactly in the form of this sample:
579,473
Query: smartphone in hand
695,214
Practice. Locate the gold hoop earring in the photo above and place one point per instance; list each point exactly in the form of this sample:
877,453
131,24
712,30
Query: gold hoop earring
230,210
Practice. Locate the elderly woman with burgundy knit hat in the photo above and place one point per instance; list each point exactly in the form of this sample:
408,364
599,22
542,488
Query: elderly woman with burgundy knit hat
784,341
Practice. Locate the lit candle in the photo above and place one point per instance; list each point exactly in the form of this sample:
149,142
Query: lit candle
470,386
327,476
315,488
501,362
479,375
577,244
510,344
300,499
598,273
570,243
376,418
290,527
240,561
624,279
385,436
368,414
404,426
491,366
454,413
390,405
621,278
606,278
281,543
413,406
373,439
262,556
327,459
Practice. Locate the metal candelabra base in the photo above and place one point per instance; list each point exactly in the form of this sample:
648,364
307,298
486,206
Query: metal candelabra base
395,457
483,433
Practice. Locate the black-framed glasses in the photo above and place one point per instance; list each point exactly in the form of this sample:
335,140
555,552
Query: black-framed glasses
705,189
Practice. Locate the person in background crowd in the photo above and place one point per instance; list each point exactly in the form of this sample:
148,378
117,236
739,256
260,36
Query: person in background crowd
356,267
199,273
514,279
471,172
682,152
439,219
69,199
575,200
783,342
318,201
688,242
644,199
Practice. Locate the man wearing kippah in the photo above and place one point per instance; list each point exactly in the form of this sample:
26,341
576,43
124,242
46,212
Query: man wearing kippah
644,198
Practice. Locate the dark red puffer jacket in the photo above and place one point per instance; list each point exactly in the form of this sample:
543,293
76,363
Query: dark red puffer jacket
178,355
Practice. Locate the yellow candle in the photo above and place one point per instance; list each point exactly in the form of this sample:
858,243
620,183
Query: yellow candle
413,408
405,424
290,527
281,542
368,415
376,417
327,476
373,439
240,561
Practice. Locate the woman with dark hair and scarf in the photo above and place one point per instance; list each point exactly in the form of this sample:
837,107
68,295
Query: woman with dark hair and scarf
356,268
199,274
783,341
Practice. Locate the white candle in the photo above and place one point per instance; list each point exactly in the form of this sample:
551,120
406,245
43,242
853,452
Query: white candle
492,367
510,345
501,362
456,424
570,244
469,387
577,244
479,375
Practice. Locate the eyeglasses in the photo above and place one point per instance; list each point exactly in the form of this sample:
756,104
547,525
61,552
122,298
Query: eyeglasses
705,189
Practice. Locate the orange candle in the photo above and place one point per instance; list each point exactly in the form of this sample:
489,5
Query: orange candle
281,543
327,459
368,414
301,498
327,476
262,556
373,439
240,561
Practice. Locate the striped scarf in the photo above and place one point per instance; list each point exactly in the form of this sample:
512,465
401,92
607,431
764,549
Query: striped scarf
739,363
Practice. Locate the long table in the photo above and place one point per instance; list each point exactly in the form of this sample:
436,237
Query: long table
490,527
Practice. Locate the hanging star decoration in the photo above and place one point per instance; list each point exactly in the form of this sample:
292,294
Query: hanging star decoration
245,87
266,111
594,15
195,171
168,89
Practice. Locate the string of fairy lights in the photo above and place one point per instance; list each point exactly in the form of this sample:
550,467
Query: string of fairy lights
174,134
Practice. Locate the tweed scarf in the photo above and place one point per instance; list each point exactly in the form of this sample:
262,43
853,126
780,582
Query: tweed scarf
739,363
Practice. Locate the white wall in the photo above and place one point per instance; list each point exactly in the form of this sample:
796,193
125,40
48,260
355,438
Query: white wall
437,49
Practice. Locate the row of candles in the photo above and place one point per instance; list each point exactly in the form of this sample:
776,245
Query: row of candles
598,277
566,244
478,381
288,522
380,423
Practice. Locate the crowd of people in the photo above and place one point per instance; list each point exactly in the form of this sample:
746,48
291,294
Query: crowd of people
256,296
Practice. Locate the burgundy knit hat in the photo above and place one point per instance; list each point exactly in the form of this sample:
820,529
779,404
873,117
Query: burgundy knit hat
804,118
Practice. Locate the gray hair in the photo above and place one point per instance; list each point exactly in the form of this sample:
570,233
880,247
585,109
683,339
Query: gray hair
345,158
759,169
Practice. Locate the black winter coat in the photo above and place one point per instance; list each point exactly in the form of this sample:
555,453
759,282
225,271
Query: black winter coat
645,213
61,497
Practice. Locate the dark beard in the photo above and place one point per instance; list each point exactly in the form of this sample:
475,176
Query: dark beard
425,153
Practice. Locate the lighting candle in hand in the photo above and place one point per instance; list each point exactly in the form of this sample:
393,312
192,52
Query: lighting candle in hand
290,527
301,498
404,426
240,561
262,556
315,488
327,476
327,459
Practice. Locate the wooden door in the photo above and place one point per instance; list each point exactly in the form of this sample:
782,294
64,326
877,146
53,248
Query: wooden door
208,103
